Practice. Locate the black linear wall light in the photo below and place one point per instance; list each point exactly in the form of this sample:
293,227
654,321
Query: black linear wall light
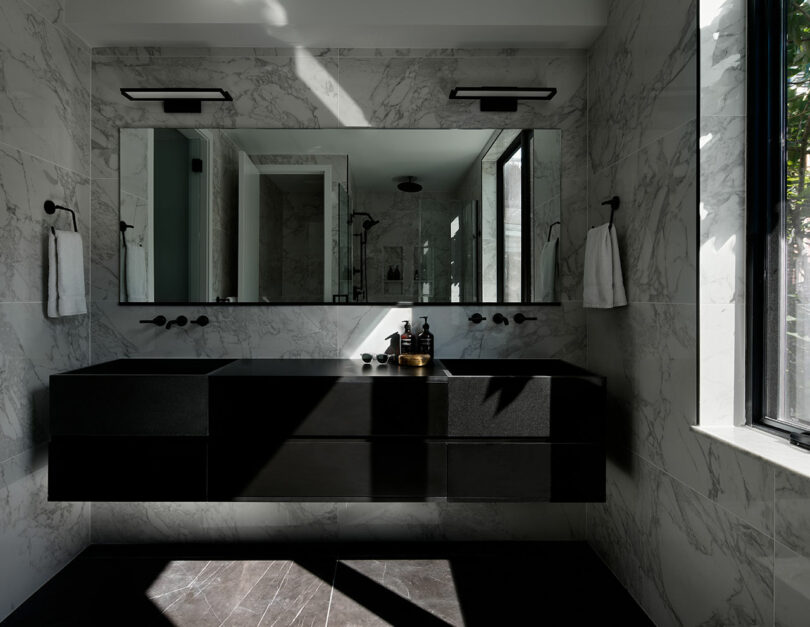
502,98
178,99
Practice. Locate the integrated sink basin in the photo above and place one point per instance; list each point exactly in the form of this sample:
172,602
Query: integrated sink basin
133,397
512,368
540,398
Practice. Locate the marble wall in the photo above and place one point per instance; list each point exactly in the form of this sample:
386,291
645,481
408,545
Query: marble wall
333,88
699,532
44,154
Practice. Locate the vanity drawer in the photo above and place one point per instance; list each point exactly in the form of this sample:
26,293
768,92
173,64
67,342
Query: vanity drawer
526,471
127,469
318,470
327,407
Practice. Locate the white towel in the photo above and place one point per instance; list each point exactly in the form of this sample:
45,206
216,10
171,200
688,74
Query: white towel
65,274
604,287
548,271
136,274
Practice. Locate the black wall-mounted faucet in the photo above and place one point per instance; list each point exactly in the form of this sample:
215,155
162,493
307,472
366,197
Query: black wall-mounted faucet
157,320
201,320
180,321
520,318
500,319
476,318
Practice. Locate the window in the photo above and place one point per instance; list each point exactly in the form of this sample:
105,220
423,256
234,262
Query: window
514,179
778,206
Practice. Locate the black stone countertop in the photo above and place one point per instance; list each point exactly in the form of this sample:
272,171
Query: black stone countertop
338,368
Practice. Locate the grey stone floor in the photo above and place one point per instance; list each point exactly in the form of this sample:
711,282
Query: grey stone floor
375,584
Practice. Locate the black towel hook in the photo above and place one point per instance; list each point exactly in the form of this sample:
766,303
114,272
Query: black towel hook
614,205
551,226
50,209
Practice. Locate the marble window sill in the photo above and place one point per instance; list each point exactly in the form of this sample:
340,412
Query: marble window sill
771,448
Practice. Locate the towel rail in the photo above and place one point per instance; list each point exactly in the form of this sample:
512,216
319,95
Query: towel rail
50,209
614,205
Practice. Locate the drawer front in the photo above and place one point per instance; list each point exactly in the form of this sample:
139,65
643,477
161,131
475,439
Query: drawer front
327,407
128,406
127,469
326,469
525,471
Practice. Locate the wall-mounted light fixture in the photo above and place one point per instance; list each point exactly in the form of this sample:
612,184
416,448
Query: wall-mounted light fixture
502,98
179,99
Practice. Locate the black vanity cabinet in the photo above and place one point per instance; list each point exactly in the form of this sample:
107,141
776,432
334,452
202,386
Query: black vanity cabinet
324,430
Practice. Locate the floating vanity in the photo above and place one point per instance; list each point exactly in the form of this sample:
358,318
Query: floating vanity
327,430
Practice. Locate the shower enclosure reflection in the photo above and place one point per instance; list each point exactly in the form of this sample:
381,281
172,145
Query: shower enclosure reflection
335,215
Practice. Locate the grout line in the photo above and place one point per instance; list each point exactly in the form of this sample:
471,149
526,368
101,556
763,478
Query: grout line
700,494
48,161
645,146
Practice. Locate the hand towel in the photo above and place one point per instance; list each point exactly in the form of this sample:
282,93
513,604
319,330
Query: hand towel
603,284
136,274
548,271
65,275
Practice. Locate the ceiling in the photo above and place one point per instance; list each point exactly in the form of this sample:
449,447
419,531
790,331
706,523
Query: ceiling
379,158
553,24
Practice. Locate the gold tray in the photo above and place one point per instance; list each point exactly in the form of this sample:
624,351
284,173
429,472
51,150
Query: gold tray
414,360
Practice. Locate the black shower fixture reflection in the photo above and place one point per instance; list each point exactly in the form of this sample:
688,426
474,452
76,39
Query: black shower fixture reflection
409,186
367,224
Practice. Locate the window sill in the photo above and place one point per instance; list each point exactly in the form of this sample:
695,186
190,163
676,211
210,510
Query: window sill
771,448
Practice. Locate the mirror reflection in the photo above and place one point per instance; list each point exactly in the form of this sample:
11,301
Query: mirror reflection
339,215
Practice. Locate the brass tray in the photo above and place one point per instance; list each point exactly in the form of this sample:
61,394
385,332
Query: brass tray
414,360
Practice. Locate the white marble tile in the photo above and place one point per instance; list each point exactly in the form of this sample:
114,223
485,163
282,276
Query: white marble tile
722,57
792,518
722,209
45,101
722,358
52,10
285,92
647,352
413,92
37,538
106,240
558,332
26,182
791,588
643,77
685,560
458,52
655,223
33,348
233,332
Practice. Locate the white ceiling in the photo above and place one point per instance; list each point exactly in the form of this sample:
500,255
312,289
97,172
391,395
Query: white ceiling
379,158
339,23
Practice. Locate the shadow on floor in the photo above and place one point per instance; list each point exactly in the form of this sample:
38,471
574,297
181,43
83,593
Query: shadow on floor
357,584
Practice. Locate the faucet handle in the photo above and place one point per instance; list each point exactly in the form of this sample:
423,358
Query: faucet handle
201,320
476,318
520,318
157,321
499,318
180,321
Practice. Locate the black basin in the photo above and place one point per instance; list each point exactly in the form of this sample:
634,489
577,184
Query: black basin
512,368
133,397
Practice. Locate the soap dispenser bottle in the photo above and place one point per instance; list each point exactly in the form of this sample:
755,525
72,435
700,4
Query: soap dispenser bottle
394,345
425,339
406,340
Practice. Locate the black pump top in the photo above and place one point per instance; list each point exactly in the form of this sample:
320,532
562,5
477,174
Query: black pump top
425,326
407,326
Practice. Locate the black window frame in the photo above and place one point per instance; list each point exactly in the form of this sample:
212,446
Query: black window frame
522,142
765,193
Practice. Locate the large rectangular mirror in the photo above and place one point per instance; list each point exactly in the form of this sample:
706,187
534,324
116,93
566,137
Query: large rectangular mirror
339,215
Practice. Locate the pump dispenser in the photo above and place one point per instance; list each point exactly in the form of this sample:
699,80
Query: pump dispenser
425,339
406,340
